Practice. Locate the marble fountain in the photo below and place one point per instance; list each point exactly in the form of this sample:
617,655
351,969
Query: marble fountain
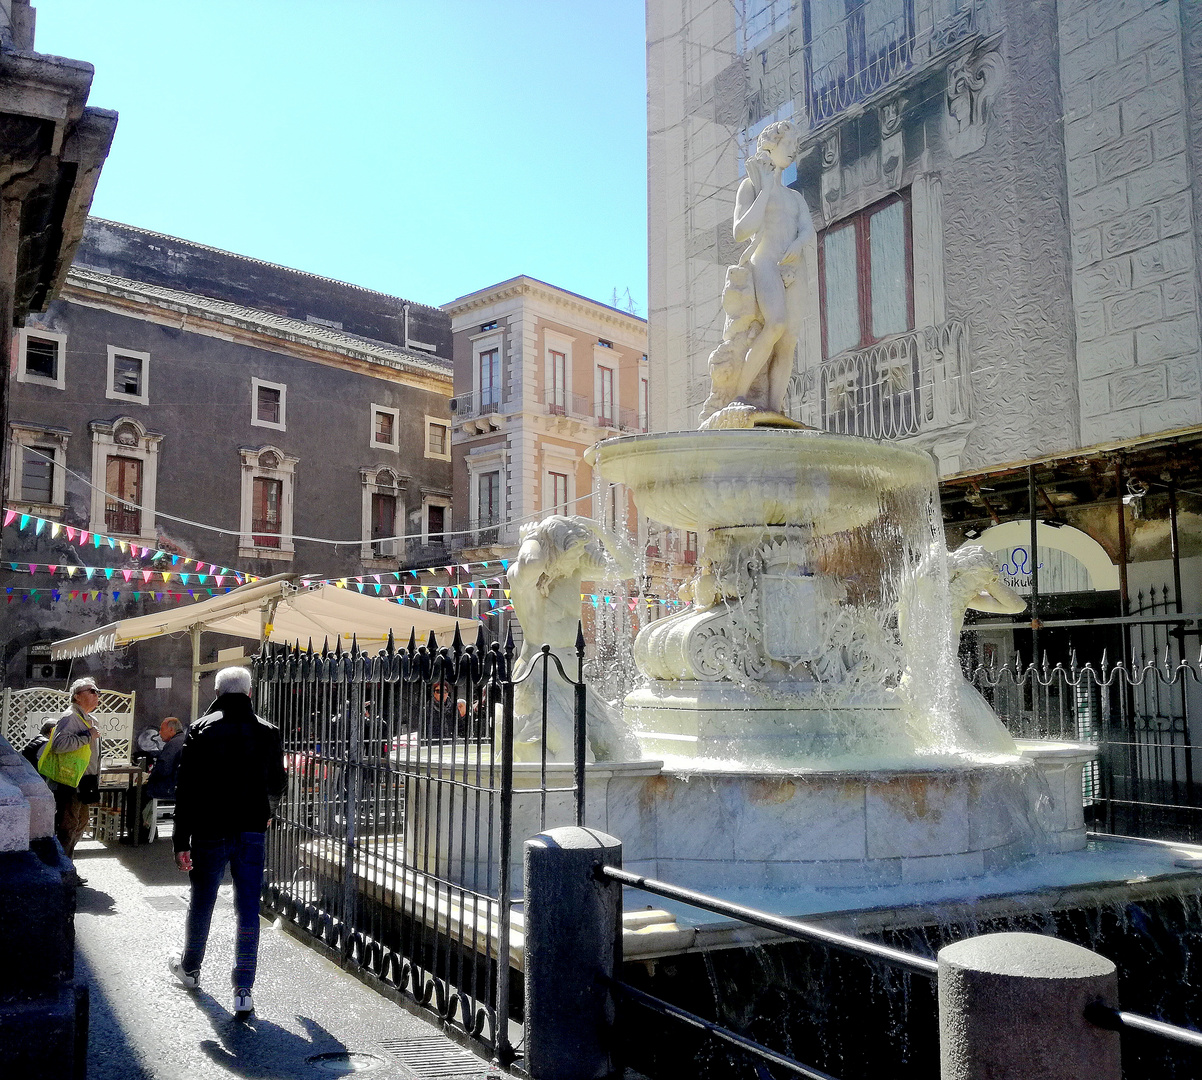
801,736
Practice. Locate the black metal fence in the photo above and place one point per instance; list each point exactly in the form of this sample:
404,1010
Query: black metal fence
1137,713
393,847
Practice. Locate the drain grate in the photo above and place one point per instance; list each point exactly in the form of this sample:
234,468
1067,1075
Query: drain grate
433,1059
166,903
342,1062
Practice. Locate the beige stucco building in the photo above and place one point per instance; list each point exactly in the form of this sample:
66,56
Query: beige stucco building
540,375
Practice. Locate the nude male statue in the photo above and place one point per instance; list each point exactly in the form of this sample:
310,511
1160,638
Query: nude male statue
776,221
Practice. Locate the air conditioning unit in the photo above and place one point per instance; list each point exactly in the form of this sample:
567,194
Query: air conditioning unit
383,549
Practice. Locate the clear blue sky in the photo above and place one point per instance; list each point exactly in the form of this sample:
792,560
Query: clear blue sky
424,148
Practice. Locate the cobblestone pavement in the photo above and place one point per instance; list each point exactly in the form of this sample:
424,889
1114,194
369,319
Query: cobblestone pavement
312,1019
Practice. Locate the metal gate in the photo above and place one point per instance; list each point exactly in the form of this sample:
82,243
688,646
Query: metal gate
394,845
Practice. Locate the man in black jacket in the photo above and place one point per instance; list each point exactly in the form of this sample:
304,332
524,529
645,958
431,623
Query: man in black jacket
231,777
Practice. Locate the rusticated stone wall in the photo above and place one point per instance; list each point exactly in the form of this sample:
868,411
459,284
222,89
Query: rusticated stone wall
1131,214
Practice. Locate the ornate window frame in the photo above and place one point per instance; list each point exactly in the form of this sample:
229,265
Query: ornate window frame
127,437
382,480
52,441
110,390
255,384
269,462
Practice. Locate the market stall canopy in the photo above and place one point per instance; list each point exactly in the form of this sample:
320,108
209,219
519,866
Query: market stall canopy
321,613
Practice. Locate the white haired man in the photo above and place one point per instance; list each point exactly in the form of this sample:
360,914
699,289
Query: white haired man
231,777
72,762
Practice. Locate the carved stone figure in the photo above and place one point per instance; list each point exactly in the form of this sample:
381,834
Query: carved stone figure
750,370
554,556
974,581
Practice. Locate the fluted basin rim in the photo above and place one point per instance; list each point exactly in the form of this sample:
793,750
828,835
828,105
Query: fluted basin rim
691,479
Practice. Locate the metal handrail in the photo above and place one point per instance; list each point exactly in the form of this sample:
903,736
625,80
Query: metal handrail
1111,1019
795,928
719,1032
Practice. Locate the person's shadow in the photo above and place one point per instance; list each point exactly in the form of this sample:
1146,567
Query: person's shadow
257,1048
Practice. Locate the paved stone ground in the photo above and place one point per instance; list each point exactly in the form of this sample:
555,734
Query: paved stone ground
144,1026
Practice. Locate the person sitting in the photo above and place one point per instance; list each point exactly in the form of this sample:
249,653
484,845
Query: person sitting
164,773
33,749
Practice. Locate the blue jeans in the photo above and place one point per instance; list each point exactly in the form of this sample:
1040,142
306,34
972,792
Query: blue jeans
244,853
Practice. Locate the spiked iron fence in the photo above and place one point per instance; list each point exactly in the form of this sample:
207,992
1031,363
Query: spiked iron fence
1138,714
393,848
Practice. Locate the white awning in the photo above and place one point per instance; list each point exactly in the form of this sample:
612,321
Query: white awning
321,613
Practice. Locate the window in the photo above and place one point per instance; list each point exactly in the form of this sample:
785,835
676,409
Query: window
267,512
37,475
383,525
41,357
383,513
866,276
124,477
485,327
127,375
606,412
488,506
268,479
855,47
438,439
123,495
437,521
605,344
490,379
385,427
270,402
557,484
557,389
690,547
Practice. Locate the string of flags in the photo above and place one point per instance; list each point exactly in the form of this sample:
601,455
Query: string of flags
82,537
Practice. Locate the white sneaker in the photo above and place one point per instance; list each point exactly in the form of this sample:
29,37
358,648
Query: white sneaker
244,1004
189,980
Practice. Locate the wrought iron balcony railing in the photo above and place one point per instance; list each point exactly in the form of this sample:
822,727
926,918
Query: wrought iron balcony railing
476,403
900,387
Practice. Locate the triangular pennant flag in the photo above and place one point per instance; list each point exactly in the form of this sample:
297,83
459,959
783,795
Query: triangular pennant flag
147,575
52,569
126,574
9,516
108,573
88,571
24,521
70,534
83,537
55,529
40,526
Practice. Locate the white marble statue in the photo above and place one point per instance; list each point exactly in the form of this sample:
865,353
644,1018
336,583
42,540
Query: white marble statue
764,293
974,581
554,556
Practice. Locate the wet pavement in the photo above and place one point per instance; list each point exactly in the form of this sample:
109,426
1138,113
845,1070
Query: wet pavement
312,1020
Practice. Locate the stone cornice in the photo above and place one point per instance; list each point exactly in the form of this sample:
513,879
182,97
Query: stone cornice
261,330
561,298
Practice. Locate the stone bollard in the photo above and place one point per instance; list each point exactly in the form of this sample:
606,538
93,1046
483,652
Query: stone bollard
573,941
1012,1007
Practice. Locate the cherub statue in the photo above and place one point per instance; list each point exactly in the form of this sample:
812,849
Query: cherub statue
763,297
554,556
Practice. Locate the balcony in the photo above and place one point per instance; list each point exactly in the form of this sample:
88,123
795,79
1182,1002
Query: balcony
863,52
586,409
482,533
911,384
476,403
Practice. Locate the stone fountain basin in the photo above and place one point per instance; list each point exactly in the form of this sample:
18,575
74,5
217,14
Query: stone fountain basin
700,480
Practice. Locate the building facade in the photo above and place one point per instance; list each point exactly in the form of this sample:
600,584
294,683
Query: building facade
212,407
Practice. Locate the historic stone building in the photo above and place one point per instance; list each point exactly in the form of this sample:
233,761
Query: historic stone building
222,409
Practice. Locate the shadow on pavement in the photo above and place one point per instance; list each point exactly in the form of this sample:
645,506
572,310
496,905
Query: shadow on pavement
258,1048
89,901
111,1056
151,864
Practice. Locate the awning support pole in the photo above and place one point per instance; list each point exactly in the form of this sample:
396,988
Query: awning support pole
194,633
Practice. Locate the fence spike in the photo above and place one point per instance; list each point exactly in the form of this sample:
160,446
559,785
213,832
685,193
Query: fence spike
412,640
309,651
432,644
457,641
481,644
1072,660
509,645
325,648
390,647
354,646
579,637
338,647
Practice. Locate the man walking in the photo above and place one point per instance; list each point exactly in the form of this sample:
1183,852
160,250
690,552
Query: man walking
231,777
